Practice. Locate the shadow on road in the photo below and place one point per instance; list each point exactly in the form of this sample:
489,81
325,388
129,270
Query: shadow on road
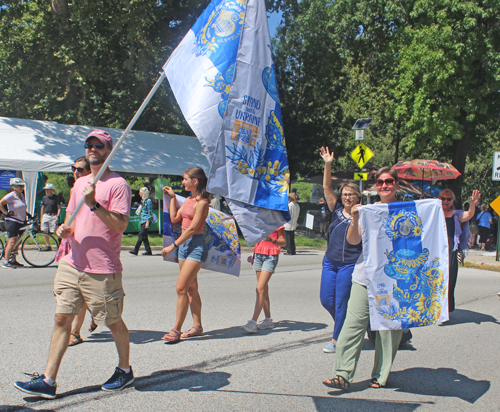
13,408
460,316
281,326
176,380
139,337
438,382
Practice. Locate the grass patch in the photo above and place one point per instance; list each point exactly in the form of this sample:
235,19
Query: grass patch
482,267
130,239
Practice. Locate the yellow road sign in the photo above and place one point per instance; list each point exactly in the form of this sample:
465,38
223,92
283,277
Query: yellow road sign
361,154
360,176
496,205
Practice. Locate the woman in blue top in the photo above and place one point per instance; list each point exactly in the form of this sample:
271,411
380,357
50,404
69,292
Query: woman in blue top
340,257
484,221
146,218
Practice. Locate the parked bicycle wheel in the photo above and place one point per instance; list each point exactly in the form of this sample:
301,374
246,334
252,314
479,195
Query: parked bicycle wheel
39,249
2,249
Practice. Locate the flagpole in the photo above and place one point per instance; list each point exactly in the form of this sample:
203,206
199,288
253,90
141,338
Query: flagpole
119,142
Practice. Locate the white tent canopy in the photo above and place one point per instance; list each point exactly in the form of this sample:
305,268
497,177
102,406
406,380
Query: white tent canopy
33,146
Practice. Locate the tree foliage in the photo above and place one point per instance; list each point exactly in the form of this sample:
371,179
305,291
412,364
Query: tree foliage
87,62
427,71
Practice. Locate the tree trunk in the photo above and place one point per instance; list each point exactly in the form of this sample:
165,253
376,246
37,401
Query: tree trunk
459,159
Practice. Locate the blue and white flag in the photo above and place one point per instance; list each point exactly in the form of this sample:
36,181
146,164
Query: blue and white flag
222,75
405,252
224,254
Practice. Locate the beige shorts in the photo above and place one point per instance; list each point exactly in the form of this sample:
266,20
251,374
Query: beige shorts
49,223
103,293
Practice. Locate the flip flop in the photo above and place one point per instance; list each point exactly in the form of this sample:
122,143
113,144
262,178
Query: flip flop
93,326
199,332
77,341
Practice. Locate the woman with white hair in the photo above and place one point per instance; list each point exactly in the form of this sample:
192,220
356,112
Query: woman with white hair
13,206
146,214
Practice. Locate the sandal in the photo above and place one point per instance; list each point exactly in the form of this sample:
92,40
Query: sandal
338,382
172,338
93,326
78,339
374,384
198,332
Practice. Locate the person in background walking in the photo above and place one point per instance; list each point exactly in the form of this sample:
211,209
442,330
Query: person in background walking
146,217
15,216
340,257
294,209
50,211
485,220
266,254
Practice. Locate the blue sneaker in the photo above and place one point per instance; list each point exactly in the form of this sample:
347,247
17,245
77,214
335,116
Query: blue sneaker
330,348
37,386
120,380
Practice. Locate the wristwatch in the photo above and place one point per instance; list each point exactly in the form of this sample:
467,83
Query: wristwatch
96,206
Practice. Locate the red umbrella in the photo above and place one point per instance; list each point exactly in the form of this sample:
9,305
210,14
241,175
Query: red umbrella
426,170
422,169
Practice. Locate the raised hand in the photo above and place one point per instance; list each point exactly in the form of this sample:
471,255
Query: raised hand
326,155
476,197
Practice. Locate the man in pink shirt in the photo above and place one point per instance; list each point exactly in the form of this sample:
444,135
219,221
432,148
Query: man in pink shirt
92,271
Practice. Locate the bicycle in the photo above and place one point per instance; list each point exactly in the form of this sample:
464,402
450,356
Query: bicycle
38,248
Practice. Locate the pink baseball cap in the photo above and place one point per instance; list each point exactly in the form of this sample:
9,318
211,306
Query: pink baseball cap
103,136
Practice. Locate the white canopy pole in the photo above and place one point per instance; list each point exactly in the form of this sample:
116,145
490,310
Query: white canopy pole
119,142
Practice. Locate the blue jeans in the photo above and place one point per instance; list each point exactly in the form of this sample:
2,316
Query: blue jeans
265,262
336,282
195,249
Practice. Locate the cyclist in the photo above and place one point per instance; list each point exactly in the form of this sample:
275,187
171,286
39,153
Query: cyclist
14,220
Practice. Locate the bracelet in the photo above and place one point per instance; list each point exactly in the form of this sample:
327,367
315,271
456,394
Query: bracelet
175,245
354,225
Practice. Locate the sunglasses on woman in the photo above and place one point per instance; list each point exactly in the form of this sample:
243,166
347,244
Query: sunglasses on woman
77,169
388,182
96,145
446,199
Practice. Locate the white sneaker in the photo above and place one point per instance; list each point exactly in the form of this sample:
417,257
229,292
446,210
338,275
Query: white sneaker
250,327
266,324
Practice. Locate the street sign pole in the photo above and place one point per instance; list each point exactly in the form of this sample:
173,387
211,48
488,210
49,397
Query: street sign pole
495,205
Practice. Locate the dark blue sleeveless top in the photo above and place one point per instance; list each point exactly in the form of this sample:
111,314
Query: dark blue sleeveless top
339,250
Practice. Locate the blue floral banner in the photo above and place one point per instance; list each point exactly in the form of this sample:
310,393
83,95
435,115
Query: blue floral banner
405,251
223,77
224,253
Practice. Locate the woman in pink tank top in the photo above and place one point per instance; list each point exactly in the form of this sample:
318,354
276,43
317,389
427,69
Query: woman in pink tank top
193,250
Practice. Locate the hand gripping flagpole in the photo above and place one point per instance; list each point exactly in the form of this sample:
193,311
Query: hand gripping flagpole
119,142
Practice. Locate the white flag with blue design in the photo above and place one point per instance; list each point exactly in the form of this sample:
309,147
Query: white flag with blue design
222,75
405,252
221,236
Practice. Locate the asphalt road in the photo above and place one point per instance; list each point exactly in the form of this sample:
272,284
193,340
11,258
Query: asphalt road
450,367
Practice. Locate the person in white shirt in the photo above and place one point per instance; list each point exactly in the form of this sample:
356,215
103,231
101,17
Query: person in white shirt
294,209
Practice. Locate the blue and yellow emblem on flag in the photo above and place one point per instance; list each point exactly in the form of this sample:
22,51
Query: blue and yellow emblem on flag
406,263
221,236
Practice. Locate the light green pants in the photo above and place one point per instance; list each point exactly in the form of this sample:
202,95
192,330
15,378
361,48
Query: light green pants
351,338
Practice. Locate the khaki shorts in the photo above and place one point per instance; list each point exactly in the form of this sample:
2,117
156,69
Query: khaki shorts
103,293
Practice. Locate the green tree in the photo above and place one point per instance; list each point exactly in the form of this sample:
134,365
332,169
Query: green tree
91,62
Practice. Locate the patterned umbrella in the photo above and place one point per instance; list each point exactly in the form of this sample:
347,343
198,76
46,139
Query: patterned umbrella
422,169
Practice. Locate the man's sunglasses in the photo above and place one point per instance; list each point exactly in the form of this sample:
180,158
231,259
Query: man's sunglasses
77,169
446,199
388,182
96,145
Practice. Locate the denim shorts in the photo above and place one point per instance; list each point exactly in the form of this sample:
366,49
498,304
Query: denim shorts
265,262
194,249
